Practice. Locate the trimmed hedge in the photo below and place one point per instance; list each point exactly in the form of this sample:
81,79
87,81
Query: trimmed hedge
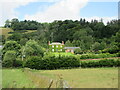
34,62
101,63
18,63
50,62
94,56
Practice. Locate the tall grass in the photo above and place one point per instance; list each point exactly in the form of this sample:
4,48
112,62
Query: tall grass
42,81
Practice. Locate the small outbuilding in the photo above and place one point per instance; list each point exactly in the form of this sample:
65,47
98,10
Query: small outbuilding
70,49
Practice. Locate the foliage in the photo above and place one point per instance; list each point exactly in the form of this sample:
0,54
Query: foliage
78,51
68,43
98,46
9,59
52,62
34,62
101,63
93,56
18,63
23,25
92,35
32,48
11,45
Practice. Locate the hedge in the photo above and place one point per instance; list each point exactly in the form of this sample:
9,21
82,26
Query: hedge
50,62
34,62
94,56
101,63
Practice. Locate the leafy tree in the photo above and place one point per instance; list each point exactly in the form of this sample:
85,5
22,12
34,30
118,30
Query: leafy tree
96,46
7,23
68,44
11,45
15,37
9,59
32,48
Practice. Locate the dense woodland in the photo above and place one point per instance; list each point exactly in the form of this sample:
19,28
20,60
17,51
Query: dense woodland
89,36
95,40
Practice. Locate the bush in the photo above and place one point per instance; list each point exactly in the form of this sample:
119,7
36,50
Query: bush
93,56
101,63
52,62
78,51
34,62
18,63
9,59
111,50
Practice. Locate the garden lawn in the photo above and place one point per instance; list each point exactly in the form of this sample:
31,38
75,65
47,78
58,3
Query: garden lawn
61,53
15,78
86,78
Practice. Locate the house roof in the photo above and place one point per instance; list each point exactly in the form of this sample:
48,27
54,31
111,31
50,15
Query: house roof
55,43
71,47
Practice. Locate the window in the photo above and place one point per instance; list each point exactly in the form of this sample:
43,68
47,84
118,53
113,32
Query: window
53,46
53,50
57,46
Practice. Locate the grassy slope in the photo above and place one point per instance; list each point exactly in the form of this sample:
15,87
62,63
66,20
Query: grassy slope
15,78
87,78
4,31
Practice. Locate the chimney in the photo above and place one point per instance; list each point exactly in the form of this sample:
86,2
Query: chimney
48,42
62,42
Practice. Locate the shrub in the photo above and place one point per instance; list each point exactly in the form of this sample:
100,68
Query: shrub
34,62
101,63
52,62
78,51
93,56
56,62
18,63
9,59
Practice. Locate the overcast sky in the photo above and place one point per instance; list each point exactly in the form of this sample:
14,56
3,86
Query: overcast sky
50,10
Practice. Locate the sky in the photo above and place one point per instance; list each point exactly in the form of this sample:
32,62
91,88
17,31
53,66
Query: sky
50,10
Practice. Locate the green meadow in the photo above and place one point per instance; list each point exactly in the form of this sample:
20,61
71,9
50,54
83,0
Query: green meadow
74,78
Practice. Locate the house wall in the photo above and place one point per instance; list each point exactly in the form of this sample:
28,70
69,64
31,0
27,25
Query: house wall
56,48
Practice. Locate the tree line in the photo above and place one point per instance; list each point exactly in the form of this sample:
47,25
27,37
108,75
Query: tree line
93,36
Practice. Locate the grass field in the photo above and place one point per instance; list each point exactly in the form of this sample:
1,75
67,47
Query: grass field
5,31
15,78
76,78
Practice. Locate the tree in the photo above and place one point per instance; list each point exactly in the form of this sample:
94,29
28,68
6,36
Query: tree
96,46
7,23
84,37
11,45
9,59
32,48
68,43
15,37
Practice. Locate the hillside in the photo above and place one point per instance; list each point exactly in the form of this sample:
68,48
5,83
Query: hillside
7,31
4,31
